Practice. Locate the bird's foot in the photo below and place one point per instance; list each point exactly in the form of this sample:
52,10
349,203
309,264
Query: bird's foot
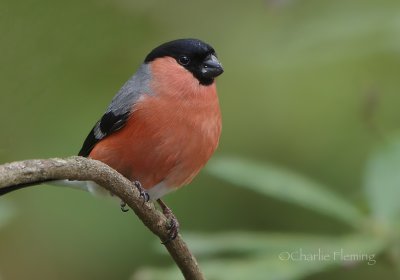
173,223
123,206
142,192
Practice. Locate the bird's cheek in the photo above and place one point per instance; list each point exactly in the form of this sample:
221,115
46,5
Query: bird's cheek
169,76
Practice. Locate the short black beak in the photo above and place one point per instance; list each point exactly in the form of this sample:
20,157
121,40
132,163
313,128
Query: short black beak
211,67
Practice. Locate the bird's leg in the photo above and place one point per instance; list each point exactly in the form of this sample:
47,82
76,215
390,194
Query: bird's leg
173,224
142,193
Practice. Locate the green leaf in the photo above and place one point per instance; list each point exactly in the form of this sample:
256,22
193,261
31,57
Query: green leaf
274,243
273,255
251,243
382,181
256,268
285,185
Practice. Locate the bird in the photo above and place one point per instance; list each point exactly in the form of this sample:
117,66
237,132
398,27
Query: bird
164,124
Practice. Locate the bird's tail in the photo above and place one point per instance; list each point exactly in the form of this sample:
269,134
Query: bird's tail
12,188
81,185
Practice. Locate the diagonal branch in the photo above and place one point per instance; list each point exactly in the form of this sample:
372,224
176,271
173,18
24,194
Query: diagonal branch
83,169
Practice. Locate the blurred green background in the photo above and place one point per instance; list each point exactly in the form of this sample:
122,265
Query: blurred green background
309,85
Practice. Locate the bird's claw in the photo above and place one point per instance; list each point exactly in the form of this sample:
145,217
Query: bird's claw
173,223
123,205
142,192
173,229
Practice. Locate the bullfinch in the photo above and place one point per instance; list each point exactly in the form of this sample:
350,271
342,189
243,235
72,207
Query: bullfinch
164,124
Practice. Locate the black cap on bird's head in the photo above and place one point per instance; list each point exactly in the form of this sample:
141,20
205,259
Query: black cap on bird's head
196,56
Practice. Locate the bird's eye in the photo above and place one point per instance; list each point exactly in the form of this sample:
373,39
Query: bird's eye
184,60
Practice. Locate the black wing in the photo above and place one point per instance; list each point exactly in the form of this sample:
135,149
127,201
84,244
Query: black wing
108,124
